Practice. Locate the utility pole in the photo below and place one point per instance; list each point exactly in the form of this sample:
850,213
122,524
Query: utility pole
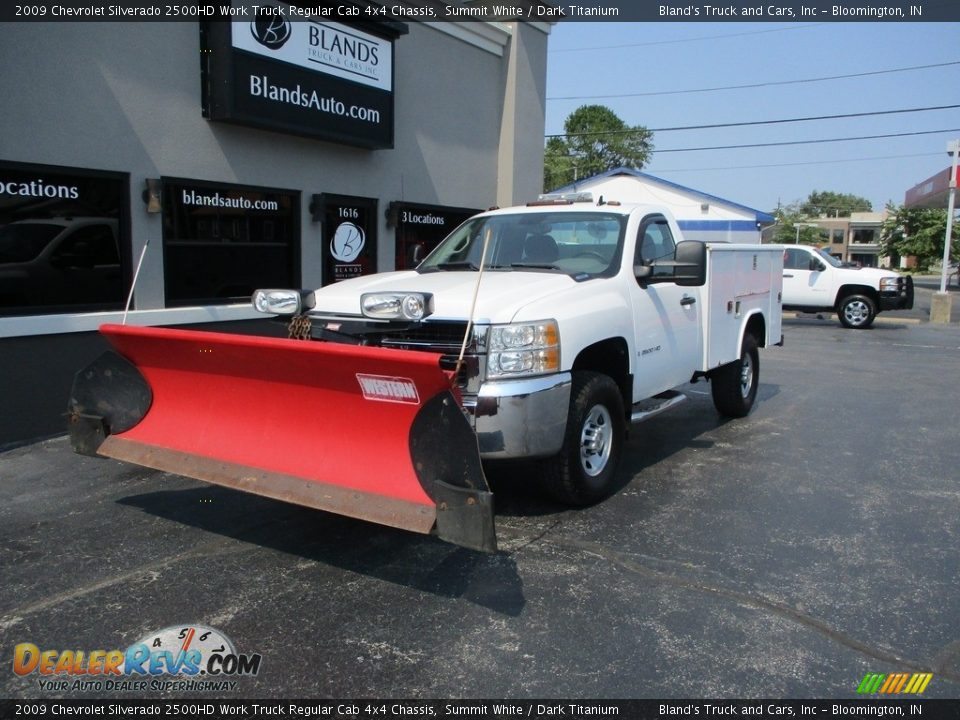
941,304
953,149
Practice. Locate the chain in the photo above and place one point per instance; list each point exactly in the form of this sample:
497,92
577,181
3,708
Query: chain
299,328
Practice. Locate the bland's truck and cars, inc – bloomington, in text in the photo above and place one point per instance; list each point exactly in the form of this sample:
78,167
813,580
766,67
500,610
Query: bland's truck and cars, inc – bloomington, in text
531,333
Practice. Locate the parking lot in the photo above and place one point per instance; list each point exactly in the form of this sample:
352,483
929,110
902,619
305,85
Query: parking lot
785,555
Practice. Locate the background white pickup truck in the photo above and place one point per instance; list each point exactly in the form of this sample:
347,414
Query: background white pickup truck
584,320
814,281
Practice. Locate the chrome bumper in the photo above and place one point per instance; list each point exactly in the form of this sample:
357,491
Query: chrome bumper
520,418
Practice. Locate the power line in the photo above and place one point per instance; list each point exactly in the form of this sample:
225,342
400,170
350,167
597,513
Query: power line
685,40
795,164
807,142
759,122
757,85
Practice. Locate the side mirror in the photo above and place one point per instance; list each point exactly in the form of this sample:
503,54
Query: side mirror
816,265
687,269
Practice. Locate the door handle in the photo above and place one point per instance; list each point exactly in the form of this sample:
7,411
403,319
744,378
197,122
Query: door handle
785,275
687,300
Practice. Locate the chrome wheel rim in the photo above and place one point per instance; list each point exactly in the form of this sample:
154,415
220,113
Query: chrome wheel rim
746,375
856,312
596,440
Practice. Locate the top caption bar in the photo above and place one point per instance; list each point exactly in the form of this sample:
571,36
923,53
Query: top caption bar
524,10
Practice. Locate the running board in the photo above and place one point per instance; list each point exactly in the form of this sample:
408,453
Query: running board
646,409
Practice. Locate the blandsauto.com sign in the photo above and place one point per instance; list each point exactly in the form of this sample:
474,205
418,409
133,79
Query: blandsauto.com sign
309,77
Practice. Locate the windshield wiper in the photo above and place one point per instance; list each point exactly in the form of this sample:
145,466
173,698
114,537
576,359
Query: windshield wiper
541,266
458,265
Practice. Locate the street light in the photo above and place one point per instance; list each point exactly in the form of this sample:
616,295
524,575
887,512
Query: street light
801,225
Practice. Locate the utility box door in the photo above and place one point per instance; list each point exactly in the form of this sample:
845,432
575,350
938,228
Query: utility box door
742,280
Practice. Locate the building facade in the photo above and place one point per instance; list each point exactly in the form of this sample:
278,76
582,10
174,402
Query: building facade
854,239
207,159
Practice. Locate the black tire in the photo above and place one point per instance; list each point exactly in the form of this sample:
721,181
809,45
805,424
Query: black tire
734,386
856,312
583,471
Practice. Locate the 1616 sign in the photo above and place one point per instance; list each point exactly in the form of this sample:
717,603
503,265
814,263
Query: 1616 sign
349,237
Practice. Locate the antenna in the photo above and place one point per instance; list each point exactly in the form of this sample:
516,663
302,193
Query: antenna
473,304
133,285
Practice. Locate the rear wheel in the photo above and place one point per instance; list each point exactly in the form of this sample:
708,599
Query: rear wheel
734,386
857,312
584,469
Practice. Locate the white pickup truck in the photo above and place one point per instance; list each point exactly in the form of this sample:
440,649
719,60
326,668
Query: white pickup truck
814,281
585,318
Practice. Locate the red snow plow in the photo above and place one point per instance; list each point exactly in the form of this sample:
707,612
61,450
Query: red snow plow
372,433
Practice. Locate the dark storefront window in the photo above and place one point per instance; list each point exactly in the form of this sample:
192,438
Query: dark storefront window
420,228
221,242
63,239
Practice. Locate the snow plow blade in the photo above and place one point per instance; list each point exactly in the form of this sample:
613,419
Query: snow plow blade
371,433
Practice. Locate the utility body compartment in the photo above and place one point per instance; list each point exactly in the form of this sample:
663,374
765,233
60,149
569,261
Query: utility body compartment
742,281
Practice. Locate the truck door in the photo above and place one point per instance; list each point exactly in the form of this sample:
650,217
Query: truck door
666,317
806,280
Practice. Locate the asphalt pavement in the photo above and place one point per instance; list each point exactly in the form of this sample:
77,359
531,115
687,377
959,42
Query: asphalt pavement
784,555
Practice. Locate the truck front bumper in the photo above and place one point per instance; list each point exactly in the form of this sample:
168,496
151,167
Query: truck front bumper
901,299
520,418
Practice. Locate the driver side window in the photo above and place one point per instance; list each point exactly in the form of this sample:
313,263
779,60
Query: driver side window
655,242
794,259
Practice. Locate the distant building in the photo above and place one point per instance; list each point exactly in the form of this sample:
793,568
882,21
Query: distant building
700,215
854,239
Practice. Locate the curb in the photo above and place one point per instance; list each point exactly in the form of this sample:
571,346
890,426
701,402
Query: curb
830,316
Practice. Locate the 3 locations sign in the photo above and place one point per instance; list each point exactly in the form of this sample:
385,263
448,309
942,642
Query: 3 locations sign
306,77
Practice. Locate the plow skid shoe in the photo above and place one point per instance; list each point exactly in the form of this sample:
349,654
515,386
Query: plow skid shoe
371,433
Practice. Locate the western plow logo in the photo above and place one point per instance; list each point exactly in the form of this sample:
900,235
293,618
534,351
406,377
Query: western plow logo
894,683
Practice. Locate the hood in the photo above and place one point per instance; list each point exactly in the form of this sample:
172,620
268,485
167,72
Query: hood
502,293
870,273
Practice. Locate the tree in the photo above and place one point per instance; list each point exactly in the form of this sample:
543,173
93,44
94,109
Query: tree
918,232
832,204
596,140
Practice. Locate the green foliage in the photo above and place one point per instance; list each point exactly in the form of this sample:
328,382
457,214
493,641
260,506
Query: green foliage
596,140
918,232
791,227
832,204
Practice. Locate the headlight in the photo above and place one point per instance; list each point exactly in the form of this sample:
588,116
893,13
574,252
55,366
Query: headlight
282,302
889,284
396,305
523,349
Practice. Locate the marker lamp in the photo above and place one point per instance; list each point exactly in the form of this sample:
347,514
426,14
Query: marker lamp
282,302
396,305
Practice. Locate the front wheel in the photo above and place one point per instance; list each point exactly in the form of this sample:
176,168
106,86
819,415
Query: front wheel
584,469
734,386
857,312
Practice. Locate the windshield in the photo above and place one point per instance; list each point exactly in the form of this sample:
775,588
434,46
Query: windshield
24,242
829,258
564,242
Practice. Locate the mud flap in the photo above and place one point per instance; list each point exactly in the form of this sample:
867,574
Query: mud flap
371,433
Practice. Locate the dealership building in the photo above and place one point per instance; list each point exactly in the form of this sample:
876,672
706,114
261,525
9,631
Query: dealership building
210,158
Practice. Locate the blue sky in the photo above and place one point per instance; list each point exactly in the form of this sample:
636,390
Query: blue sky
597,58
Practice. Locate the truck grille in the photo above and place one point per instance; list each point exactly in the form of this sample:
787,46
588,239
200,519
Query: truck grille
439,337
445,338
